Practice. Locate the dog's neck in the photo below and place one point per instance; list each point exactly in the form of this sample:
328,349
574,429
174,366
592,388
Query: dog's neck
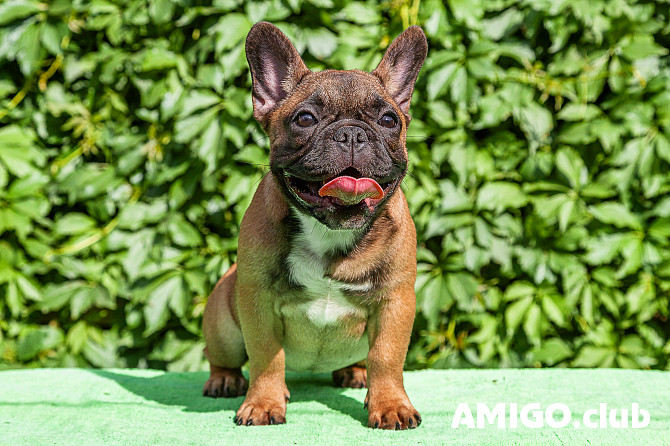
323,241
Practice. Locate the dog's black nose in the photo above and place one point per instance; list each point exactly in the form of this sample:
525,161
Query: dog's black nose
350,134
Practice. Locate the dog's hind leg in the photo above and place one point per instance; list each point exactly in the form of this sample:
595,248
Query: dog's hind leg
225,344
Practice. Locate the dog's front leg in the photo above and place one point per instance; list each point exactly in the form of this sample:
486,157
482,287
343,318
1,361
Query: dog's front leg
389,332
267,395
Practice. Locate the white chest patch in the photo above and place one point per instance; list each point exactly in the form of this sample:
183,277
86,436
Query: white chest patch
307,264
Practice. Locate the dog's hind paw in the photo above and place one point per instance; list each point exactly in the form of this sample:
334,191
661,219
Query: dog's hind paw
226,383
353,376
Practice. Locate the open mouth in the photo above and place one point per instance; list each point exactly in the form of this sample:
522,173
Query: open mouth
349,188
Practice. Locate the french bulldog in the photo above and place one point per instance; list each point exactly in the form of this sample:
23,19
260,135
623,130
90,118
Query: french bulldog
326,265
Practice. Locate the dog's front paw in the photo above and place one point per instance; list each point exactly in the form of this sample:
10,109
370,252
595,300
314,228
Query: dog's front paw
396,415
260,412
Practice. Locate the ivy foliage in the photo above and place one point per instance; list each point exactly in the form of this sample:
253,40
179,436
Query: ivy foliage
540,186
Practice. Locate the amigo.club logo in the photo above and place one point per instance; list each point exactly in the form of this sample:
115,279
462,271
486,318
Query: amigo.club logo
557,415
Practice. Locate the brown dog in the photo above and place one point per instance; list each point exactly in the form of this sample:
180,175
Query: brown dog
327,249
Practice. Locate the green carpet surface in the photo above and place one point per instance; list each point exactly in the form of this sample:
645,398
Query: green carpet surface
147,407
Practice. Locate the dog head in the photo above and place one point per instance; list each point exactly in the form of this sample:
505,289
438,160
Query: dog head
337,138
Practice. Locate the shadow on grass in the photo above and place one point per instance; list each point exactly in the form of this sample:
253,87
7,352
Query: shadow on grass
185,389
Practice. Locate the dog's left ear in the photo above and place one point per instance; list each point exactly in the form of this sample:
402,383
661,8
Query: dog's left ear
401,64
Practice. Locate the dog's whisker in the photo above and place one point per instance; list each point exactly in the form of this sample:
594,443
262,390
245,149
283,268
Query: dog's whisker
260,179
253,164
418,181
420,136
261,139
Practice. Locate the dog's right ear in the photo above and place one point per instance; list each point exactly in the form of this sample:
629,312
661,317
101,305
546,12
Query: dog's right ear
276,68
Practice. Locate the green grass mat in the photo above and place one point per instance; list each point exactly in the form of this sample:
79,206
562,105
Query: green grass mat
145,407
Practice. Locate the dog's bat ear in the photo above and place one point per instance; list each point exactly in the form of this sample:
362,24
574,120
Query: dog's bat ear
401,64
276,68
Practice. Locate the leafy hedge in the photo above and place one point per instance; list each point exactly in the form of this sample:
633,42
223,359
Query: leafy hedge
540,186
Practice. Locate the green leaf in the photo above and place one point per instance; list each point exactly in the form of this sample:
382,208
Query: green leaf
56,296
320,42
156,310
179,299
469,12
515,313
570,164
500,195
89,181
136,215
602,250
230,30
502,24
462,287
51,37
211,146
102,354
579,112
640,46
32,184
191,126
182,232
615,214
4,177
565,214
616,79
434,298
519,289
590,356
460,87
157,59
198,99
532,325
453,198
28,288
440,79
551,306
360,13
77,336
18,9
28,49
536,122
551,352
161,10
37,341
662,147
73,223
87,297
17,152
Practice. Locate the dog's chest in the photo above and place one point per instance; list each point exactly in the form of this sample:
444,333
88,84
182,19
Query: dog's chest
323,300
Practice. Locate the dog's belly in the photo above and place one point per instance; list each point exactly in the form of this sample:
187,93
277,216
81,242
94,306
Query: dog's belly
317,348
324,334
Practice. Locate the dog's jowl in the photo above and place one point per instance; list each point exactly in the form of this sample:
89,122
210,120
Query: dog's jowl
326,265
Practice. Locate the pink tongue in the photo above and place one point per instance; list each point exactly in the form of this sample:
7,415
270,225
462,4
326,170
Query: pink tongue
352,190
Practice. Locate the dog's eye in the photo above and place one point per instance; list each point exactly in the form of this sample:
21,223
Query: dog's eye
305,119
388,121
